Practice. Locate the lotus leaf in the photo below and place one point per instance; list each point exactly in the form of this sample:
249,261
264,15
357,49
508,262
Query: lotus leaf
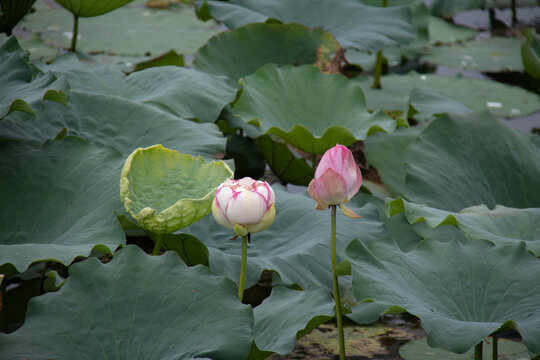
354,25
461,161
462,293
11,12
500,225
309,110
241,51
58,201
135,307
530,53
477,95
24,87
166,191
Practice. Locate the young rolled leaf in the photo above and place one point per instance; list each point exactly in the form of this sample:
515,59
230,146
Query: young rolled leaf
135,307
451,287
166,191
308,109
530,53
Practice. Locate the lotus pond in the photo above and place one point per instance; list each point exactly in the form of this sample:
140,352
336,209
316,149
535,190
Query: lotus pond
120,119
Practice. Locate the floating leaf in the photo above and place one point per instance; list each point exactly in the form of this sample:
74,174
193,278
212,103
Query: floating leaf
241,51
161,30
354,25
441,31
500,225
478,95
24,87
309,110
530,53
170,58
451,288
58,201
494,54
136,306
166,191
461,161
451,7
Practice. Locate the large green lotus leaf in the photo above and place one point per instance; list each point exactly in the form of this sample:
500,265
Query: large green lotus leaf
288,314
176,29
135,307
425,104
419,349
489,55
386,152
500,225
89,8
285,164
110,120
166,191
58,201
241,51
187,93
297,245
461,161
310,110
500,99
530,53
354,25
24,87
451,7
11,12
461,293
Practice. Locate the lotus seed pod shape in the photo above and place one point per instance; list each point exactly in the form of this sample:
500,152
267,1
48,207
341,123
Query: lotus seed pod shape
245,205
337,179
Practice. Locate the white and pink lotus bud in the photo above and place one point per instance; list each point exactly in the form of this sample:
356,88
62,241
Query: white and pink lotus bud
245,205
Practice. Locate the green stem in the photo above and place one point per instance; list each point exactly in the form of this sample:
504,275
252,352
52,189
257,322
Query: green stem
75,33
3,307
514,13
337,298
494,348
243,268
157,247
478,351
378,62
314,161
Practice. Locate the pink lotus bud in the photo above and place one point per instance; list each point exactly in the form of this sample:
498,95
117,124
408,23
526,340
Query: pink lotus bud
337,179
245,205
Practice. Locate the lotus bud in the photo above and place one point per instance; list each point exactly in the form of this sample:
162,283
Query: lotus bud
337,179
245,205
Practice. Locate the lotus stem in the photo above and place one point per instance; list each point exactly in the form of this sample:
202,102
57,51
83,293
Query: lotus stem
478,351
514,13
494,348
314,161
337,298
243,268
75,33
157,247
378,62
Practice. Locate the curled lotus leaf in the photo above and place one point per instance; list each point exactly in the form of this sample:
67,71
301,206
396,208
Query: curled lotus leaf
166,191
